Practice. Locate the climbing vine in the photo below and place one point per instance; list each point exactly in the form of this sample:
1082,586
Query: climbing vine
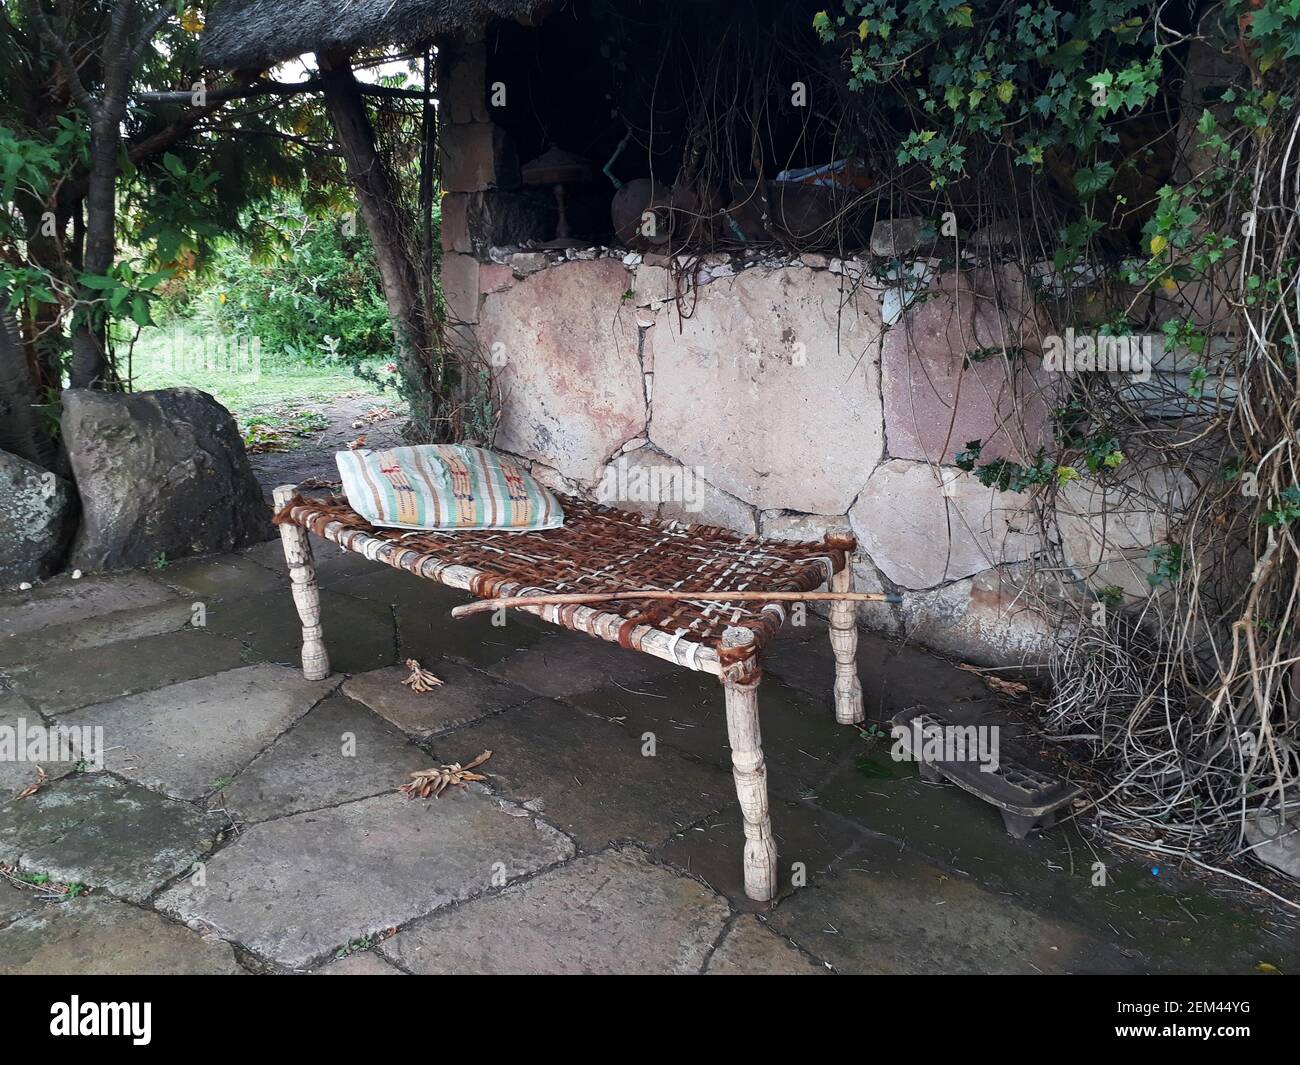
1147,155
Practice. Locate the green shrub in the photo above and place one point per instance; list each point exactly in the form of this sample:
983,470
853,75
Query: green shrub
306,288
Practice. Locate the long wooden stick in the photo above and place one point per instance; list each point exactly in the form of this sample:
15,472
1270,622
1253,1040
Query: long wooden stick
484,605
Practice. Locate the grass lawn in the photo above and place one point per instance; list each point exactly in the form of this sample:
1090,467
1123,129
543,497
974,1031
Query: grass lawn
247,383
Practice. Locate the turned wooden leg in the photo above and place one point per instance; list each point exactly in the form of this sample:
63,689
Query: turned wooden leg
741,688
844,642
302,574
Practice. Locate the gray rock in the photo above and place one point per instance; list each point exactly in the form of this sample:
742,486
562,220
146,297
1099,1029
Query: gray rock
897,237
524,263
986,619
772,350
1276,842
159,473
997,234
37,518
924,525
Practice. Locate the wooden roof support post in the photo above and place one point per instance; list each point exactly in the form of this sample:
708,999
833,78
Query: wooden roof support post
392,231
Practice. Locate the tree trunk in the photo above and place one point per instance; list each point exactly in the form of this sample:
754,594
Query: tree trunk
390,229
90,363
41,331
21,432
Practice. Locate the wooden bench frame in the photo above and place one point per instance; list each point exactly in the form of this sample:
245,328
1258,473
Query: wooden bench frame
735,664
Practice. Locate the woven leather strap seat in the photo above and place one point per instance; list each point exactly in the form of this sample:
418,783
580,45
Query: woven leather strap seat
603,549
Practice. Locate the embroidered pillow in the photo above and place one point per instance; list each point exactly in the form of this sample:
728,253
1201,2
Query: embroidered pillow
445,486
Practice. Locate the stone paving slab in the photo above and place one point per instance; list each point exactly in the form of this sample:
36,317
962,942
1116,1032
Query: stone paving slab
295,889
338,752
466,695
384,584
948,890
887,912
589,776
18,720
56,642
16,902
809,843
94,829
608,913
64,599
429,632
1173,923
802,743
112,670
564,663
894,675
332,562
363,963
752,949
358,635
424,623
185,738
221,577
97,936
940,822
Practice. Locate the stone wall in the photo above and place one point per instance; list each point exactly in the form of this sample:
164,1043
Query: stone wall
806,392
781,383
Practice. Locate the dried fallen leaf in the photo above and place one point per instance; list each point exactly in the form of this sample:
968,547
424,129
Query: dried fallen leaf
262,438
420,680
41,778
374,414
435,781
998,684
358,442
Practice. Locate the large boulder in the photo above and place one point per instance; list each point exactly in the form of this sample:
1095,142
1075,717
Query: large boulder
159,473
37,516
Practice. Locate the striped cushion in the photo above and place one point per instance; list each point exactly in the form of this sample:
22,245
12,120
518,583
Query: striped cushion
445,486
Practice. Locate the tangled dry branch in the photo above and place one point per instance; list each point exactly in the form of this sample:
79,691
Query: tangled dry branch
1181,688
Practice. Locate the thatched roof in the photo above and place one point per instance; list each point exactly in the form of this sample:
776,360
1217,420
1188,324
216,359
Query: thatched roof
255,34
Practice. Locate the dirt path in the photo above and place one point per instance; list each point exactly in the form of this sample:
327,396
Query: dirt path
302,438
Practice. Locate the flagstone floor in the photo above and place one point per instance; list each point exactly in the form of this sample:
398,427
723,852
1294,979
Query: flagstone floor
247,820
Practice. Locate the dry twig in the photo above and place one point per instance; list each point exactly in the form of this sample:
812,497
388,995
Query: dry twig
41,779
